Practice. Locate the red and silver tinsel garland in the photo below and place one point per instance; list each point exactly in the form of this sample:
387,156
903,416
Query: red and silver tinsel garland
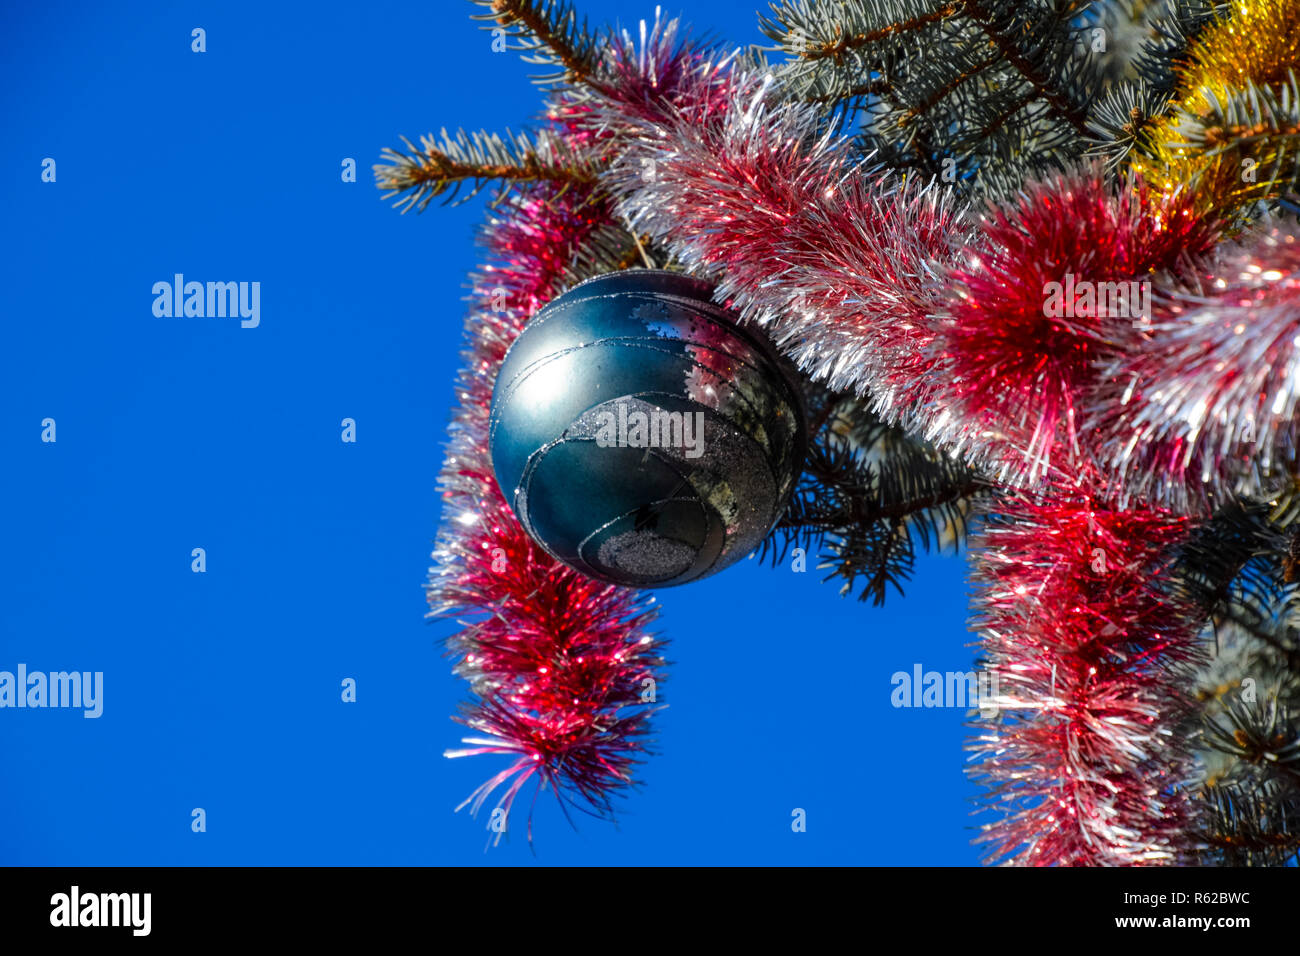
1091,662
556,661
1206,406
1108,433
559,664
939,317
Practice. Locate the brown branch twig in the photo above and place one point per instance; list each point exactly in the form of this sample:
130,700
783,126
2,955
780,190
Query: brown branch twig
836,49
431,172
864,513
510,12
1060,104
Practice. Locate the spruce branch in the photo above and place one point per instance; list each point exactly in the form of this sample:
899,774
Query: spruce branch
916,112
876,87
1251,127
1003,32
547,32
1124,121
860,508
1239,569
840,56
1264,734
1250,622
1211,563
442,166
835,49
869,494
1128,115
993,85
1173,26
1248,828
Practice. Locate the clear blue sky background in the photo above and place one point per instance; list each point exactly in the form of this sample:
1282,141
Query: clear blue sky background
222,690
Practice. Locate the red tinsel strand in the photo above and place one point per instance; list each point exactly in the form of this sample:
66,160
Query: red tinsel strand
1091,662
1084,769
558,662
1203,403
1022,367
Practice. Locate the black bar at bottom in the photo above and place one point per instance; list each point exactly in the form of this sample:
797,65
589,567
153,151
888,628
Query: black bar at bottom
974,906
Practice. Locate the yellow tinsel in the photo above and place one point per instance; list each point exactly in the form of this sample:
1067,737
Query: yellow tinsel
1230,162
1257,42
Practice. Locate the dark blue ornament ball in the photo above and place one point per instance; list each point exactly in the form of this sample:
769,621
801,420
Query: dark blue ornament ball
641,436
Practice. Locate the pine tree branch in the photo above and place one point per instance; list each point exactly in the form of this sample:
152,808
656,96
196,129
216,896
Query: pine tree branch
994,126
549,29
1065,108
915,112
1174,25
1264,735
442,167
835,49
871,88
1245,827
1258,841
1249,623
862,509
994,85
869,494
916,136
1211,562
1130,112
1124,121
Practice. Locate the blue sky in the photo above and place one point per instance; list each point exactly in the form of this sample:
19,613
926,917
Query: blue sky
222,689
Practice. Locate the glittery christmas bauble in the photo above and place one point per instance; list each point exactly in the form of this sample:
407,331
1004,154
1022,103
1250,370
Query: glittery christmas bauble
640,435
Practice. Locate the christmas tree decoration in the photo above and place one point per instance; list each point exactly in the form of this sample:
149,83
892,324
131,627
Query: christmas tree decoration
1041,276
1005,393
536,636
1031,321
758,200
942,317
1233,133
1091,659
1258,41
1204,407
641,436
